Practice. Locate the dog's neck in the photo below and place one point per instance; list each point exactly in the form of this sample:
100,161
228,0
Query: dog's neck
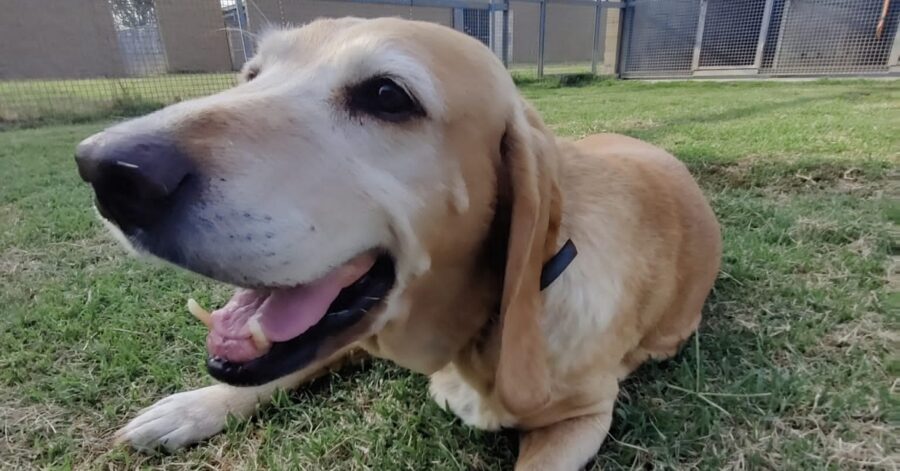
477,360
457,306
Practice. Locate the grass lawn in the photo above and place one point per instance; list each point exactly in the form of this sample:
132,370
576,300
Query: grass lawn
30,101
790,369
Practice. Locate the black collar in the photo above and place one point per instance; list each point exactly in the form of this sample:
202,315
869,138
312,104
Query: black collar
558,264
549,273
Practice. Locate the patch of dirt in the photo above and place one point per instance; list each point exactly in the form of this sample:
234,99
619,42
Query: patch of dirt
893,274
869,448
30,431
16,263
868,332
786,177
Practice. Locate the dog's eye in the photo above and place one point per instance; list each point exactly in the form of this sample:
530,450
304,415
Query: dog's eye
391,99
251,74
385,99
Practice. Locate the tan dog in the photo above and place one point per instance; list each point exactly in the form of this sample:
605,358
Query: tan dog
381,184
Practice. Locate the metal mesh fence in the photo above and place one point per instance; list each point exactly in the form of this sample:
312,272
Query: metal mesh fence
760,37
240,41
659,37
524,38
846,41
94,58
771,41
98,58
569,35
730,33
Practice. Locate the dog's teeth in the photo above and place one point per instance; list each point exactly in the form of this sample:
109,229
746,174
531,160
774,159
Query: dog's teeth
202,314
259,337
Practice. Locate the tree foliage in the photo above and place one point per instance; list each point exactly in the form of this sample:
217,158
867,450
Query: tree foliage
133,13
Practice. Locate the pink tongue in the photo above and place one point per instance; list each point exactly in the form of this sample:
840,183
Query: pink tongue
288,313
283,314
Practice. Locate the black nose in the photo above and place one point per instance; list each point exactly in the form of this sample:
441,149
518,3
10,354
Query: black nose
136,178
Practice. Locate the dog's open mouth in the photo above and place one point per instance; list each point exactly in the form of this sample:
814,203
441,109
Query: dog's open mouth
263,334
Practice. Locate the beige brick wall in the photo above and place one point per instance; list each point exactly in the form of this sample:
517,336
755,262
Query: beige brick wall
57,39
569,35
193,35
611,42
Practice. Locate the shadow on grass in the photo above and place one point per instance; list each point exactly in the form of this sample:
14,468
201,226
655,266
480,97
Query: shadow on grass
663,414
796,174
562,80
655,132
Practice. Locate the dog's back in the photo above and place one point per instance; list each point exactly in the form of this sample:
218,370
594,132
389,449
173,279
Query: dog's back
670,243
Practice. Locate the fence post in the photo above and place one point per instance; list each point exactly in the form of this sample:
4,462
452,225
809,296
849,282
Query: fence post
785,11
626,17
763,34
597,30
492,27
894,56
242,25
542,27
504,41
458,19
698,40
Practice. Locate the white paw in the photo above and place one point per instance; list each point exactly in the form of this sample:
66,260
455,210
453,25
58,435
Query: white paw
181,419
449,390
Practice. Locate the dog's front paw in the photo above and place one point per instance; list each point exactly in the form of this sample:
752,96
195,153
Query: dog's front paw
451,391
179,420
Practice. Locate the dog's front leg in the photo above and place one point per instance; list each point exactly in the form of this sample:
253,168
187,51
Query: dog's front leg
563,446
191,416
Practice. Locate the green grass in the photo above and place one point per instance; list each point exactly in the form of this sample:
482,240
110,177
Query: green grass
30,102
791,368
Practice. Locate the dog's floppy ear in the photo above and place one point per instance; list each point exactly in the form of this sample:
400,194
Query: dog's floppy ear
529,163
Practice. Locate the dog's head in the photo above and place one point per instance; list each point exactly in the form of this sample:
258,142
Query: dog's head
354,158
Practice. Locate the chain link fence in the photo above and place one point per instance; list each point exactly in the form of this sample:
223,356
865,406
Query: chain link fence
86,59
697,38
83,59
98,58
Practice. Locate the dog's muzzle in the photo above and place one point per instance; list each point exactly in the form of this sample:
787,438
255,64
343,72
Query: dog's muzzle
137,179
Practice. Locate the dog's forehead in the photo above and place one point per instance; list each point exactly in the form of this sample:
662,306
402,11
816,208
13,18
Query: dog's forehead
450,73
326,37
341,52
298,44
321,43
